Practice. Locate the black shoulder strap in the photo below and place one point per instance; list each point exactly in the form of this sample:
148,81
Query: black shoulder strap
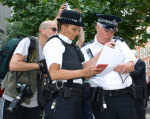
56,37
31,50
117,38
53,37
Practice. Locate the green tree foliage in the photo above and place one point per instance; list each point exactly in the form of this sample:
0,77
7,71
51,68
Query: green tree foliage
135,14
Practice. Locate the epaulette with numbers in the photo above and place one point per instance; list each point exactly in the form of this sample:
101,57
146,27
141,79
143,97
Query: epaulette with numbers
118,38
89,42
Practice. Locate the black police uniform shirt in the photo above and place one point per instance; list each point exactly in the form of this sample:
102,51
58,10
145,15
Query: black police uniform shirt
112,80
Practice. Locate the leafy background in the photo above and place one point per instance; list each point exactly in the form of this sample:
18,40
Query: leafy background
28,14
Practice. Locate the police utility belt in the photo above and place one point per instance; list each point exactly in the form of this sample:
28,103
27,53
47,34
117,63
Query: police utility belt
67,90
98,93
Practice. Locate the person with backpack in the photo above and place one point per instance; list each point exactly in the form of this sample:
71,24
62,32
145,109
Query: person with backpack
20,83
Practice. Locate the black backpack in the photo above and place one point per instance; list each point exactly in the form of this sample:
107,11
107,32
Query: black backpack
7,52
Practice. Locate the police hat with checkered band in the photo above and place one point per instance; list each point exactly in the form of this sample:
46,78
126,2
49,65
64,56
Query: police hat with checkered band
109,22
70,17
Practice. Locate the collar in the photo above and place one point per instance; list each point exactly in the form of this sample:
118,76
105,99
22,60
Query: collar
65,39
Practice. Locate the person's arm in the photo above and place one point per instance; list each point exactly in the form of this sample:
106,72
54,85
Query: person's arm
81,38
62,8
92,62
61,74
18,63
124,68
89,70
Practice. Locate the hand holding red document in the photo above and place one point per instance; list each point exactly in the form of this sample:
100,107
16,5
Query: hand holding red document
102,67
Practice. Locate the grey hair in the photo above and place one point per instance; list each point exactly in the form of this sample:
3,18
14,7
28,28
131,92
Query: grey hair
100,25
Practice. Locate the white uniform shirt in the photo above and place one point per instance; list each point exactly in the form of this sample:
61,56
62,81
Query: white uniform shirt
112,80
22,49
53,52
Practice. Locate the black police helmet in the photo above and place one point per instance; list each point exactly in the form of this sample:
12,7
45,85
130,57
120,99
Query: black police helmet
70,17
109,22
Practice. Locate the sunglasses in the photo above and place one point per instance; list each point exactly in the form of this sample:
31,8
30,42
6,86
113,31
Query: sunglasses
54,29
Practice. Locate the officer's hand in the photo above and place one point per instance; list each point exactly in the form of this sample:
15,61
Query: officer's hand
110,44
124,68
81,38
42,65
91,71
121,68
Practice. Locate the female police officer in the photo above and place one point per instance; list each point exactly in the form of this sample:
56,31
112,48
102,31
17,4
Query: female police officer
64,65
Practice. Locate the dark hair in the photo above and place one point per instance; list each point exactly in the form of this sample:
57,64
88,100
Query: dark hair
60,24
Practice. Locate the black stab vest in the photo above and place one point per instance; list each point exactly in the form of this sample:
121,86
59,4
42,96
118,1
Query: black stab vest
70,58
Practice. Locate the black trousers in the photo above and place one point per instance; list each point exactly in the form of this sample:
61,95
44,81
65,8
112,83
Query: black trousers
140,108
65,108
74,107
21,113
118,107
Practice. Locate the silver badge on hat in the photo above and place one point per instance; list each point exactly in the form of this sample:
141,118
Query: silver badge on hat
114,22
80,20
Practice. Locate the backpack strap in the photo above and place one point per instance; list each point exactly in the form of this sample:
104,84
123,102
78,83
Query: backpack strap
31,54
31,49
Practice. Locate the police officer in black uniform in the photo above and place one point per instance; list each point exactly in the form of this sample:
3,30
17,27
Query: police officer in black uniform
111,94
65,69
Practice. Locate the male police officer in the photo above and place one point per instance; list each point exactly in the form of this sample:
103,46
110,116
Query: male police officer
110,97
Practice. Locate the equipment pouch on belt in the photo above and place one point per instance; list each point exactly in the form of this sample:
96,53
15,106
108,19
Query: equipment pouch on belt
48,91
96,93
